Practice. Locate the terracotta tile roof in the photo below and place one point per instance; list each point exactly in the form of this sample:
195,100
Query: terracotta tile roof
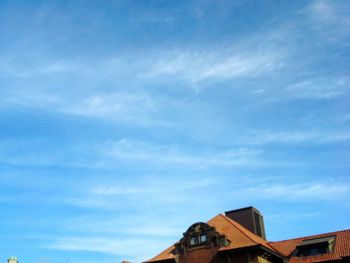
341,249
164,255
239,236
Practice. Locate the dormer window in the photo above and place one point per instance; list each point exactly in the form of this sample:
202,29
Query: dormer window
198,239
316,246
203,238
194,240
200,236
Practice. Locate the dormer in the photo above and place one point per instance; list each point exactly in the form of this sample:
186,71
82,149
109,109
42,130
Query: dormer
200,235
315,246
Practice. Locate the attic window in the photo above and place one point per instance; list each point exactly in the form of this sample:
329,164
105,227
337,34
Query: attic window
194,240
203,238
198,239
198,236
316,246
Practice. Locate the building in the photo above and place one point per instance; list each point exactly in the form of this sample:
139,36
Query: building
238,236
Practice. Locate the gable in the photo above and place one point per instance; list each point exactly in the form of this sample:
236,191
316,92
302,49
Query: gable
338,247
238,237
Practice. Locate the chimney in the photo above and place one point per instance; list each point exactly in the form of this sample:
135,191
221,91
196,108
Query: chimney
250,218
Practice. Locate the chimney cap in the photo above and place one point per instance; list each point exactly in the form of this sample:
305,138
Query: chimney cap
244,208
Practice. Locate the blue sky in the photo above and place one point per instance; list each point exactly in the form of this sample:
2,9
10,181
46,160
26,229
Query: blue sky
124,122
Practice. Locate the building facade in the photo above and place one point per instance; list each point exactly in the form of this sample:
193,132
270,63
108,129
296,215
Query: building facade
238,236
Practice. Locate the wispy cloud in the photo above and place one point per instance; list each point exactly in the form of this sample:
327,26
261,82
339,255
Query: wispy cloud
330,18
284,217
300,192
200,66
112,154
151,190
158,154
139,108
116,106
118,246
319,88
157,186
295,137
150,224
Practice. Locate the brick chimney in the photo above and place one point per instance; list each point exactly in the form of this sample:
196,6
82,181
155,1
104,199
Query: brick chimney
250,218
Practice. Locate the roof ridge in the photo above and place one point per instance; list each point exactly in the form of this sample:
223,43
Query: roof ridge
295,238
232,222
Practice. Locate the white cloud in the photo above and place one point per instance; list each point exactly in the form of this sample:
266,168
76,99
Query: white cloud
125,152
130,150
322,10
146,191
48,68
117,106
191,64
139,108
293,137
302,191
319,88
132,226
157,186
139,248
284,216
203,65
330,18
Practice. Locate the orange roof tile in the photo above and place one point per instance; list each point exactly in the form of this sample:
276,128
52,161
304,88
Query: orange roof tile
164,255
239,236
341,249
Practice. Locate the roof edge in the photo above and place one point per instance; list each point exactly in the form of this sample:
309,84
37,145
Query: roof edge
161,260
259,246
312,236
232,221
